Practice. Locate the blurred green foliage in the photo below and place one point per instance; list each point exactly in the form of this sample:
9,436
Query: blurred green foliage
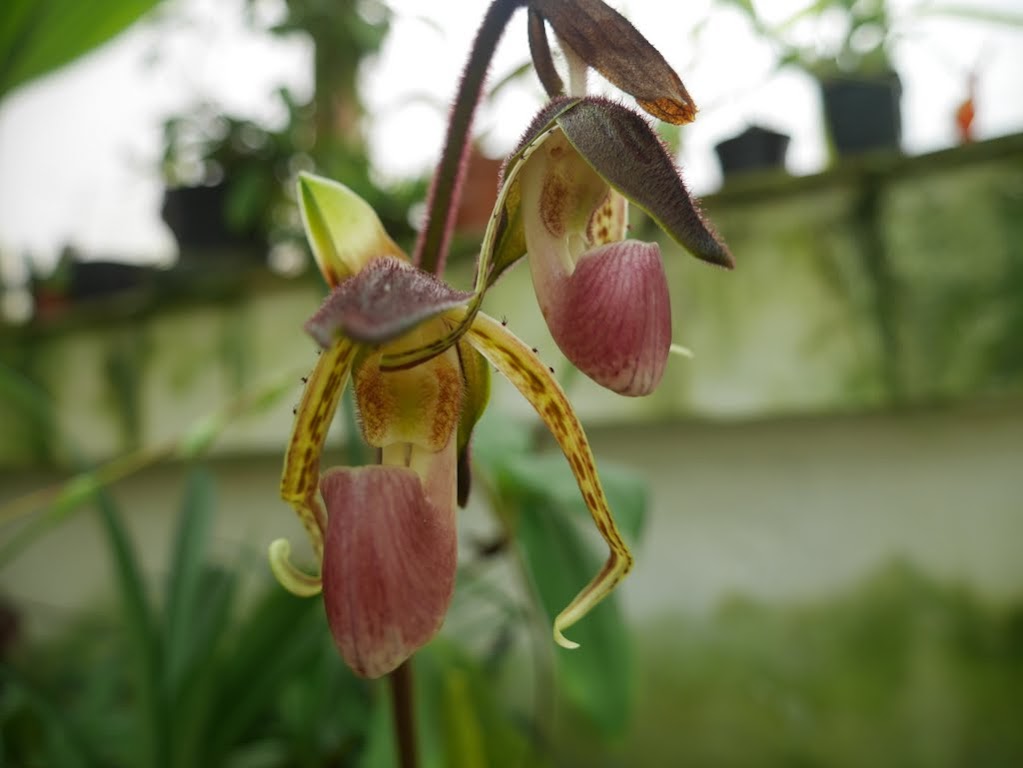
198,671
899,671
38,36
212,667
197,678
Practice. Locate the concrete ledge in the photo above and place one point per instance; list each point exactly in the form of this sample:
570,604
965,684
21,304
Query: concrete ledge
894,281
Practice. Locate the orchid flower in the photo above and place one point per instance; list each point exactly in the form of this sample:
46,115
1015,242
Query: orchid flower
417,353
604,297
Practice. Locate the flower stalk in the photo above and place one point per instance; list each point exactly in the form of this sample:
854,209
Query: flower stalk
445,193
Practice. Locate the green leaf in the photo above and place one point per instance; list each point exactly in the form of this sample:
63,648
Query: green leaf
461,724
503,449
140,627
184,595
966,12
203,672
38,36
277,641
596,677
58,739
552,526
547,476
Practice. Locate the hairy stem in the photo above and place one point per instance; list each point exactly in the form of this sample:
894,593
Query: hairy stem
446,187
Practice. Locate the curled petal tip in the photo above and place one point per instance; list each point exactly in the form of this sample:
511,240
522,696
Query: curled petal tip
563,641
297,582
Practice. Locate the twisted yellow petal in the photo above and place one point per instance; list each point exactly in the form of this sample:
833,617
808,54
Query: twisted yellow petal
300,479
537,384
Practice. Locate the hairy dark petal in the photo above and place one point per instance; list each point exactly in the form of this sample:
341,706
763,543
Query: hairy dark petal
386,299
625,151
608,42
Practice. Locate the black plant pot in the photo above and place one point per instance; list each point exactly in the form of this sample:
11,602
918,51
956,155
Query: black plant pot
755,149
196,216
863,115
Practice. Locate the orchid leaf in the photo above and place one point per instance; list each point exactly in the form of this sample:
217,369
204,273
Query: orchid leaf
185,593
141,627
623,148
537,475
462,722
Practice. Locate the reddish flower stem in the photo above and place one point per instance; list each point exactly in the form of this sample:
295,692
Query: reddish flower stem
446,188
430,255
403,708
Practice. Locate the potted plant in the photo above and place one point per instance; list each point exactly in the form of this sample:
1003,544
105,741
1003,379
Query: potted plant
861,91
755,149
226,180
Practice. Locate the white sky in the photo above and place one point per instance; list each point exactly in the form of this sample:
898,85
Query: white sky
79,150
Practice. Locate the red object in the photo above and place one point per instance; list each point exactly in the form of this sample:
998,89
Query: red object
964,121
966,111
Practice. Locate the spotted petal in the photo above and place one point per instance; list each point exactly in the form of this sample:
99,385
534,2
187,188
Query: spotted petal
537,384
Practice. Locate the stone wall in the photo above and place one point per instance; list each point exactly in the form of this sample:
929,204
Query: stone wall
855,392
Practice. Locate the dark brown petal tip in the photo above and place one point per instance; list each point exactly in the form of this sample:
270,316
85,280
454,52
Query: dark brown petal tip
608,42
386,299
625,151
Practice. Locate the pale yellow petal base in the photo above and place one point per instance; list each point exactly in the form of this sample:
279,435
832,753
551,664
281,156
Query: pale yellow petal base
297,582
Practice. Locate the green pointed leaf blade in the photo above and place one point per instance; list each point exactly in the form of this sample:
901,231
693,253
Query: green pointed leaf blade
596,677
549,477
39,36
141,628
461,722
184,582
